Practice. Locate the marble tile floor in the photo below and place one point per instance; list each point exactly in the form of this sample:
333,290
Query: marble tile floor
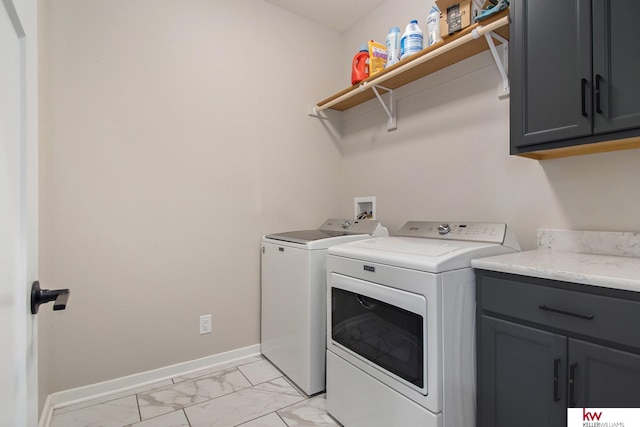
249,392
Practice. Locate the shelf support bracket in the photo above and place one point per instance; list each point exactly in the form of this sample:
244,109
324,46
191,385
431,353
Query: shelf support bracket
313,112
501,60
392,123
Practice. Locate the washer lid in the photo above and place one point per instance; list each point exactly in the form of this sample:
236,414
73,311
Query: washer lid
304,236
330,229
430,255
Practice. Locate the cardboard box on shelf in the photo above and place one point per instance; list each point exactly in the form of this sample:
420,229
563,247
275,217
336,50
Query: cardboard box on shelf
456,15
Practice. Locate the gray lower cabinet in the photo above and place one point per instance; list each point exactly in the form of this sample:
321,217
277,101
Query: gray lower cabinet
603,377
573,72
543,346
519,375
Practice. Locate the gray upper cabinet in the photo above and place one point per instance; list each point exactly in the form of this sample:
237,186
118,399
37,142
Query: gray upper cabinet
574,68
548,54
616,65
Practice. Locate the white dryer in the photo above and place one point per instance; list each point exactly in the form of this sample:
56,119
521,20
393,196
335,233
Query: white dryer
400,325
293,316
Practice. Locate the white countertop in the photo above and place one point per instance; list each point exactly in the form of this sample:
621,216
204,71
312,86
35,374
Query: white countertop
599,270
603,259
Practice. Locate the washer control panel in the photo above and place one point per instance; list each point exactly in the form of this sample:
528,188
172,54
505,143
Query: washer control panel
350,226
469,231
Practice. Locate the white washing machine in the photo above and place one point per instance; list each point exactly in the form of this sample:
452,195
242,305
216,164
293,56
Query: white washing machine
401,325
293,317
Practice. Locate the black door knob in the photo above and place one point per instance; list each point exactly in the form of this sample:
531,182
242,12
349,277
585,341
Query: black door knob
42,296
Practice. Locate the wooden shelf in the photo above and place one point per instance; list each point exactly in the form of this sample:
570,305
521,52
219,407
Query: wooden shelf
452,50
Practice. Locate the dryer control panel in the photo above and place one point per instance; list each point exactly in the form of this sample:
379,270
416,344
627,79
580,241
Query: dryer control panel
468,231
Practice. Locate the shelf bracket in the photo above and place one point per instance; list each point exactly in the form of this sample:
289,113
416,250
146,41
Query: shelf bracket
392,123
502,61
313,112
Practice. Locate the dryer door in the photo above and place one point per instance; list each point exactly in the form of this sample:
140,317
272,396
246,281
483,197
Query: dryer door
381,326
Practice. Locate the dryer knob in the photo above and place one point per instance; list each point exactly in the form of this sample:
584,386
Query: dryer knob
346,224
444,228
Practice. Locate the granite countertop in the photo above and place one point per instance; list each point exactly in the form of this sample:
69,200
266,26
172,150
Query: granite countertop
606,259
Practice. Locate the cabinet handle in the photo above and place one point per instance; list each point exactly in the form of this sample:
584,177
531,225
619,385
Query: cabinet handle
598,105
567,313
556,383
572,385
584,98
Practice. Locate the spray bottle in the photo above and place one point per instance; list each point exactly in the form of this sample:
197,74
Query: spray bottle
433,26
393,47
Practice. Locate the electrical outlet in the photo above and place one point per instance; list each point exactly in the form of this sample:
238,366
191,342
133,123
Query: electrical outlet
205,324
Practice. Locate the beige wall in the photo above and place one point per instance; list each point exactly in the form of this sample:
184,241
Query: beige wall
44,323
167,154
175,134
449,157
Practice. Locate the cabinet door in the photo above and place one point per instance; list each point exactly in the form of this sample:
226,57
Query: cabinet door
603,377
550,70
521,376
616,64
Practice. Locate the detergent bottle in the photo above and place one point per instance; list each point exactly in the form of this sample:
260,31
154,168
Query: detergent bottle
360,66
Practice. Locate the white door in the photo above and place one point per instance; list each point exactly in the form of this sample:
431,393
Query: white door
18,212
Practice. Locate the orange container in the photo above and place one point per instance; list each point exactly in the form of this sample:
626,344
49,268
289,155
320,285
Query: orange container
360,66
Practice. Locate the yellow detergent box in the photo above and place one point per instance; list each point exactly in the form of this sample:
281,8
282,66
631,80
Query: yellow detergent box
377,57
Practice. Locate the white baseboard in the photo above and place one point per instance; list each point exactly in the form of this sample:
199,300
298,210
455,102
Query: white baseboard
47,413
95,391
